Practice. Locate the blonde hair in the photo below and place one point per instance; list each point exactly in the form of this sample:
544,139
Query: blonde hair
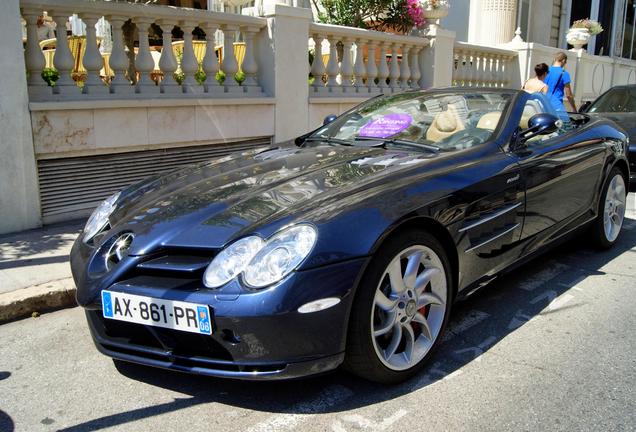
561,57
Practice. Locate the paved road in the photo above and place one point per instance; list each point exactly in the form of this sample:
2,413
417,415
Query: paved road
550,347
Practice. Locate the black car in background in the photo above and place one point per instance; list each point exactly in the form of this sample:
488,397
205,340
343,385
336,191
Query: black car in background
619,104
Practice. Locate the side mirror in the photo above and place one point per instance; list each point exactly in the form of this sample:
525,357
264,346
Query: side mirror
539,124
583,108
329,119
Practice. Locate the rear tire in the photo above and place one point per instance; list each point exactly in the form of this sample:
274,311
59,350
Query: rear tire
400,310
611,211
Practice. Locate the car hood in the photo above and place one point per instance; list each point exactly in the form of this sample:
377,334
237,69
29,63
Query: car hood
207,205
625,120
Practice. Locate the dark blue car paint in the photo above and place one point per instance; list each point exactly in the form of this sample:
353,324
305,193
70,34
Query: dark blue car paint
355,199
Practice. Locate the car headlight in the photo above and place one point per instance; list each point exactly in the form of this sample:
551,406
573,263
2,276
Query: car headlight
231,261
280,256
99,218
262,263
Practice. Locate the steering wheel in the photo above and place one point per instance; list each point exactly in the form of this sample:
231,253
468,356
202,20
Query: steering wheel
465,139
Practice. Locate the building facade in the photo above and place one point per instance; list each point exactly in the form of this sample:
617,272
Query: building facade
546,22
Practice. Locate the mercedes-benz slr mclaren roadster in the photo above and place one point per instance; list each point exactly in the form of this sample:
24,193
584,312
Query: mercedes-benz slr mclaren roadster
348,246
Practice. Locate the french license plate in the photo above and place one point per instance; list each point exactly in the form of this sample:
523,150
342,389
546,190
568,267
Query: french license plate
177,315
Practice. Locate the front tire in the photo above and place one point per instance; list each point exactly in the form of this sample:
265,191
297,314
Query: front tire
400,310
611,210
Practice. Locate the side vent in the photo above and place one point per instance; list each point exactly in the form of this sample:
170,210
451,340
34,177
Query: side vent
72,187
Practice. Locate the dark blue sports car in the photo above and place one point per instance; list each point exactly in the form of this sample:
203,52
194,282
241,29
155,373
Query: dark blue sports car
349,246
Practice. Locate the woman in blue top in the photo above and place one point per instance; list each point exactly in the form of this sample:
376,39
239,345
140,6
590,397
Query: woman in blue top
558,82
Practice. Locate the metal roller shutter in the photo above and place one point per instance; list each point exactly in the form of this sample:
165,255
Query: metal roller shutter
71,187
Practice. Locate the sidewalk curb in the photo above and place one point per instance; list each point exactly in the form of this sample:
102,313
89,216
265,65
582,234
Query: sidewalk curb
39,298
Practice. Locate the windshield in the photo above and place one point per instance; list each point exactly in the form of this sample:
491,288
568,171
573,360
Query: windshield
446,121
620,99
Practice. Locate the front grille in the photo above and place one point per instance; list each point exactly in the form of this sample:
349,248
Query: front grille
186,268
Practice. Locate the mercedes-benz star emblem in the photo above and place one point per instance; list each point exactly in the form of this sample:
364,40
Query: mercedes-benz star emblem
119,249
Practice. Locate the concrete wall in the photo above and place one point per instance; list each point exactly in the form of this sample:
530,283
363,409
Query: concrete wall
19,200
67,129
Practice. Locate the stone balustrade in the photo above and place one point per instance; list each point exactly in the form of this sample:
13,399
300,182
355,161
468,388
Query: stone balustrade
136,75
481,66
351,61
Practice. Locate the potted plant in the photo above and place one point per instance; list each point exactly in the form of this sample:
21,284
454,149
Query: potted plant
392,16
435,9
581,31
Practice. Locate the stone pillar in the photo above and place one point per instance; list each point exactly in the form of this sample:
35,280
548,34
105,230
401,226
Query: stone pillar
19,197
284,67
436,60
497,21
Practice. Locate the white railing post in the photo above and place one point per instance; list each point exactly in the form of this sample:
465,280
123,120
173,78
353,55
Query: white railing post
144,61
501,79
118,59
405,69
230,66
189,64
394,75
457,64
383,70
346,68
167,61
63,58
33,57
359,69
250,66
415,67
332,65
423,57
210,61
470,68
92,60
372,68
317,66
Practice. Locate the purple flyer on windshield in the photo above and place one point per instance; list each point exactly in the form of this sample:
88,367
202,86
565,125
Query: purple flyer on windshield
386,126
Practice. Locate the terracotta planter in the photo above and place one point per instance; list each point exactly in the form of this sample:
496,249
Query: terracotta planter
578,37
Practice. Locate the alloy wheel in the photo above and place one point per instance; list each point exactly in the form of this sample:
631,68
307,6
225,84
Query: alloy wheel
409,307
614,210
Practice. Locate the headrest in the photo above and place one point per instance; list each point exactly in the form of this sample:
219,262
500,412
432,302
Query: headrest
446,122
489,120
444,125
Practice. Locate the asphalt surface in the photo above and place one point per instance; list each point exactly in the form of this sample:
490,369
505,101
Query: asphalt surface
549,347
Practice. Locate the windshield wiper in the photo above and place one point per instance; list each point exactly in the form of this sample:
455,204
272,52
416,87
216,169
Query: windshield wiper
328,140
403,143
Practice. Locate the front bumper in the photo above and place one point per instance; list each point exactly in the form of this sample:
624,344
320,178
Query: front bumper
211,361
257,334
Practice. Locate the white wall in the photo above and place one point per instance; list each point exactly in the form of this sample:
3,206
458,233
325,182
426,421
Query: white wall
19,198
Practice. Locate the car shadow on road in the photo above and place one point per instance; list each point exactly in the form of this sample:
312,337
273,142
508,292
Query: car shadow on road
477,324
